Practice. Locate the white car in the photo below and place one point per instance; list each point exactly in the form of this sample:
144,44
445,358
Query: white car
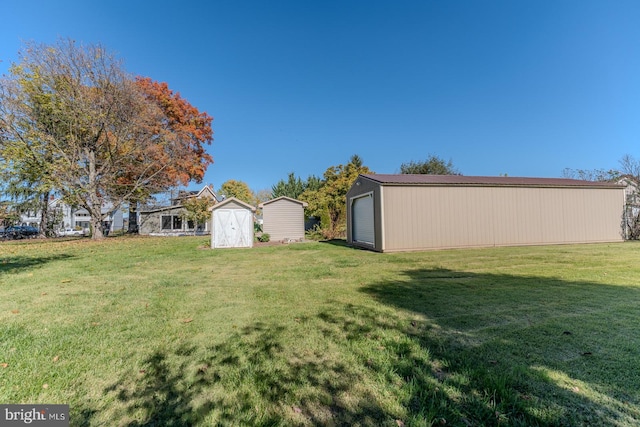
71,232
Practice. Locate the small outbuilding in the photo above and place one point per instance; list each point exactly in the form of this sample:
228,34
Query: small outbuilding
389,213
283,219
232,224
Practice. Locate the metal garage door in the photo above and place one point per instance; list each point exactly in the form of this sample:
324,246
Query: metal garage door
363,228
232,228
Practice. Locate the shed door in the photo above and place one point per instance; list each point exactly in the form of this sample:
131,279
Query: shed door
232,228
363,228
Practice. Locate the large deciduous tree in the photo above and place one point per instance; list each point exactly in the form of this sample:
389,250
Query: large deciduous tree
238,189
76,120
186,129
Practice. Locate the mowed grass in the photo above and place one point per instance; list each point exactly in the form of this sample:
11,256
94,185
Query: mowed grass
166,332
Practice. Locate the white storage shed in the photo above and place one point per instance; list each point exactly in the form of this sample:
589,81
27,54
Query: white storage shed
232,224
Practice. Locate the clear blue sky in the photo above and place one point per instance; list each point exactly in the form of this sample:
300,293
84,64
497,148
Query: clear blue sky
525,88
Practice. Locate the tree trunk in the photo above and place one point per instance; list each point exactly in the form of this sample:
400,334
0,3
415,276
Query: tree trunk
133,218
95,201
44,216
96,227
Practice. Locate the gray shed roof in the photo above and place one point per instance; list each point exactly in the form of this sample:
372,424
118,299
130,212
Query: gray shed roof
420,179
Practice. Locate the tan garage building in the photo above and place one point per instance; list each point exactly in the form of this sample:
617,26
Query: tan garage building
389,213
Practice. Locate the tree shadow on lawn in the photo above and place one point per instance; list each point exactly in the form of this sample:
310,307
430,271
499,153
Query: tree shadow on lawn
248,379
520,350
439,347
14,264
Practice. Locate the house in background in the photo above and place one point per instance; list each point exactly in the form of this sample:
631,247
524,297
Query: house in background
168,220
631,220
66,216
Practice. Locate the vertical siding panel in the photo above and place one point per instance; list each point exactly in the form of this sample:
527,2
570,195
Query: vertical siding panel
390,232
437,211
588,230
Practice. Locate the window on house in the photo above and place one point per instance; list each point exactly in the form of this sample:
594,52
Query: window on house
171,222
190,224
177,223
166,222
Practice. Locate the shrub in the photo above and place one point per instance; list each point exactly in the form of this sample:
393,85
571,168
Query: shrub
314,233
264,237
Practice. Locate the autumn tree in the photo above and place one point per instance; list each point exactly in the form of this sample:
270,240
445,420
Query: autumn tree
433,165
238,189
99,135
328,202
186,129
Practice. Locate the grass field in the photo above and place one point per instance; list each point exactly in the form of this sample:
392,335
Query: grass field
166,332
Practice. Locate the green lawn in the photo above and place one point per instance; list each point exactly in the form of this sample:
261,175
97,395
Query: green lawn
166,332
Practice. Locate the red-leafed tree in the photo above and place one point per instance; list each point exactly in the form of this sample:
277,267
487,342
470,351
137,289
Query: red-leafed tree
72,115
186,127
182,133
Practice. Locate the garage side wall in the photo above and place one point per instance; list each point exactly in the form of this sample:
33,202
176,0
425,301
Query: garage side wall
283,219
423,217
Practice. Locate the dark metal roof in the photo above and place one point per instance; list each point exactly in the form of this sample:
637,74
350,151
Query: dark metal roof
420,179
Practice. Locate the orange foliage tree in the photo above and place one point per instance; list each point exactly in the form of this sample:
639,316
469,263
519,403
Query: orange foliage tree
179,135
101,137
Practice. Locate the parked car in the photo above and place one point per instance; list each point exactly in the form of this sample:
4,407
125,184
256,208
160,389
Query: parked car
14,232
71,232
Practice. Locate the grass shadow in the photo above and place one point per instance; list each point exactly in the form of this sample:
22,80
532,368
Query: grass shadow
249,379
13,264
513,350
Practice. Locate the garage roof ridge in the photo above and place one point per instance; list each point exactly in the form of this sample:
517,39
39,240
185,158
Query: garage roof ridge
424,179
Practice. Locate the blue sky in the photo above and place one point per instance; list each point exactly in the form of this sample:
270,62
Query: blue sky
525,88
